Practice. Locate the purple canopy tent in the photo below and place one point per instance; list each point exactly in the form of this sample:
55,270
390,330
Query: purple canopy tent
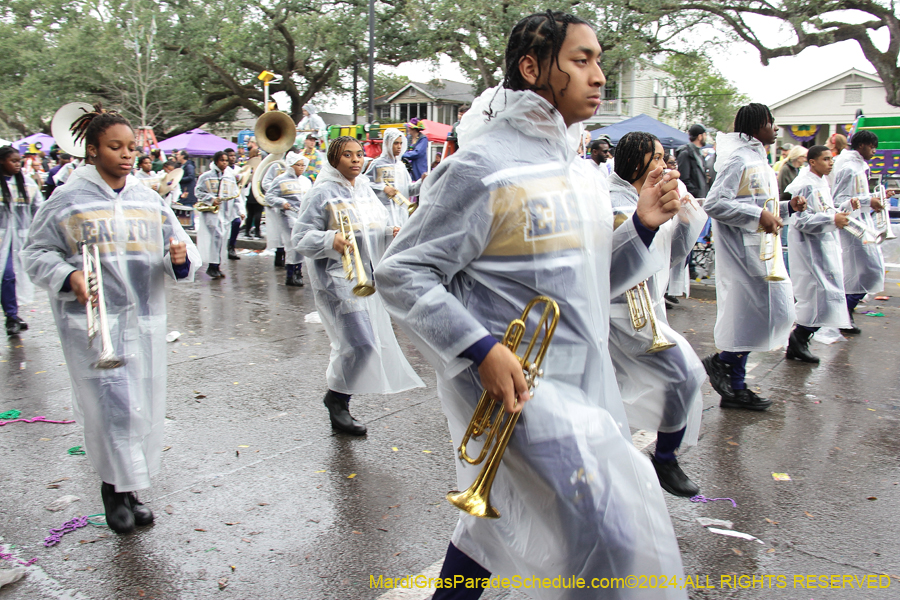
196,142
45,140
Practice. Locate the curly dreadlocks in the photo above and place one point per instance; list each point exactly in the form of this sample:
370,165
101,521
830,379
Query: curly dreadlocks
91,125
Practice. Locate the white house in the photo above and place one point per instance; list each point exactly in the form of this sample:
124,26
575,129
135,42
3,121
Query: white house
828,107
638,87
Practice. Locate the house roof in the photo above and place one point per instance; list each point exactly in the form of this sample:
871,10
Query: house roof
826,83
438,89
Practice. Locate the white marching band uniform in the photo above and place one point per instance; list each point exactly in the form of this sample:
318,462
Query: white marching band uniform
274,234
512,215
863,263
213,228
752,314
313,122
389,169
151,180
365,355
816,256
15,221
122,410
290,188
661,391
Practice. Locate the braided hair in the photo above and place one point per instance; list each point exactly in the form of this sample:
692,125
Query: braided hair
863,138
751,118
630,153
6,152
336,149
91,125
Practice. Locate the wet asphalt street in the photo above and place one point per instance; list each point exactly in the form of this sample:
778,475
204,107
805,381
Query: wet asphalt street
258,499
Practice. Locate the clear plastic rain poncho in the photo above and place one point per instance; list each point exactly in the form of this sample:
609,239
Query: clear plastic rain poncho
752,314
513,215
816,265
290,188
122,410
15,220
274,234
313,122
863,263
661,391
365,355
151,179
389,169
213,228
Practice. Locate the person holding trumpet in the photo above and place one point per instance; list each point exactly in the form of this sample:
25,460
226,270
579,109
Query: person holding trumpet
285,196
863,262
390,179
339,216
514,216
658,373
139,242
755,298
218,202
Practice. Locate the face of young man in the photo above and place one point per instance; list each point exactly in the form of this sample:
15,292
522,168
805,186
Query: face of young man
767,133
309,143
577,79
867,151
232,158
222,162
823,164
397,146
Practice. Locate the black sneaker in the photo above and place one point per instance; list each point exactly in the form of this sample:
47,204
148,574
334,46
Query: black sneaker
15,325
673,480
118,511
746,399
719,375
341,419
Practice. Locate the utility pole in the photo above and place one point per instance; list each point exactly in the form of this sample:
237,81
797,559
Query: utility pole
370,113
355,89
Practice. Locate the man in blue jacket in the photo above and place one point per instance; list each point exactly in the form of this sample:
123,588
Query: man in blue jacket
417,155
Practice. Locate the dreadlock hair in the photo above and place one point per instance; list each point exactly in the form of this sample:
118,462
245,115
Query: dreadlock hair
630,153
91,125
6,152
749,119
815,152
863,138
541,35
336,149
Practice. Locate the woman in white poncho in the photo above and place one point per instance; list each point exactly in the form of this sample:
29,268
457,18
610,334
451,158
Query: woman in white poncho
513,215
216,187
284,197
365,355
388,176
661,390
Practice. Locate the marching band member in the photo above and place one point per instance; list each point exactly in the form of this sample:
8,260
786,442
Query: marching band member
863,263
238,212
274,237
21,200
175,192
285,196
215,187
388,175
312,122
146,175
816,267
512,215
365,355
140,241
661,391
753,314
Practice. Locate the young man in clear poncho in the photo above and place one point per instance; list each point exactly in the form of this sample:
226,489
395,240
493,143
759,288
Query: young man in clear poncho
365,355
513,215
863,262
661,388
285,196
753,314
816,267
140,242
216,187
388,176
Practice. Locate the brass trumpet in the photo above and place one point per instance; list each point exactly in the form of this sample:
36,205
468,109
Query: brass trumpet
640,308
493,422
97,321
882,217
214,208
353,267
770,247
404,201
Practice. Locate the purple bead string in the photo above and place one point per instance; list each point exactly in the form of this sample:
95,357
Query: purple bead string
702,498
35,420
11,558
68,527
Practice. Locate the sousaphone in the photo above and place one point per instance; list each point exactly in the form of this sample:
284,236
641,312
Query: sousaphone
62,123
275,133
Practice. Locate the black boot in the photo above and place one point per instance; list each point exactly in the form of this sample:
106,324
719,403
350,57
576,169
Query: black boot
798,347
142,514
279,257
258,233
746,399
673,480
15,325
294,276
671,299
719,375
853,329
232,254
341,419
118,509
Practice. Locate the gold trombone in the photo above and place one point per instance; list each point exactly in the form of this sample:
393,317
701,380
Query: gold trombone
404,201
97,321
770,246
353,267
491,421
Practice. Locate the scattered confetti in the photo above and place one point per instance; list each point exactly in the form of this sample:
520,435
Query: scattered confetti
351,475
781,477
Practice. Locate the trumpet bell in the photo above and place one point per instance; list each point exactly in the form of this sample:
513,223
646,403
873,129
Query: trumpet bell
61,124
363,289
473,502
109,363
275,132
